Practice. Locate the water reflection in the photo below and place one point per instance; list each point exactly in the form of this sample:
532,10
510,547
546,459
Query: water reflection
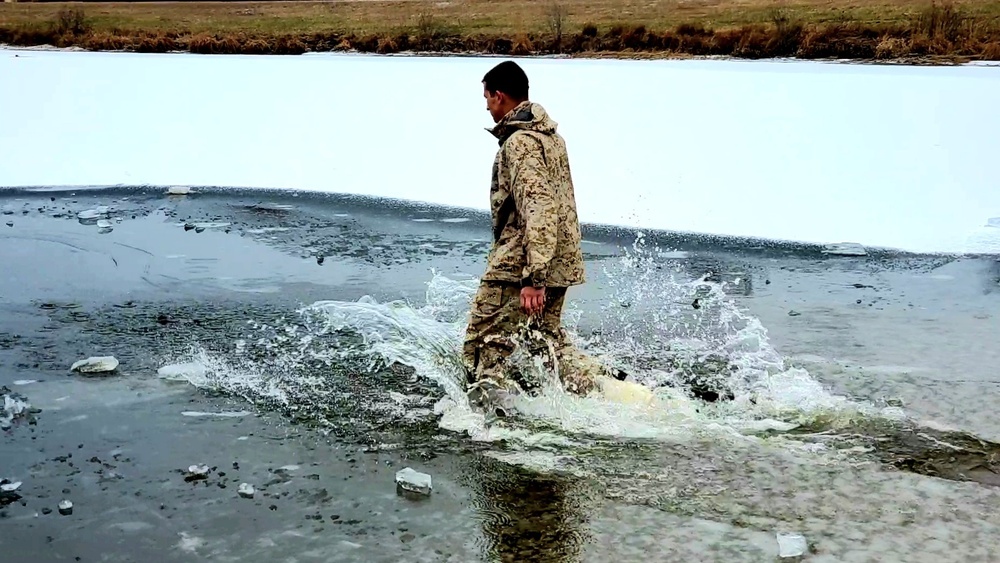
527,516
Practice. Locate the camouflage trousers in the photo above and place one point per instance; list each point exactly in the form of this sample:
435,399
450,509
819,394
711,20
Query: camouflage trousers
498,325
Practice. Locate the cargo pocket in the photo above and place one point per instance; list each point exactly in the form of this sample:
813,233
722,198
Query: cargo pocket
488,300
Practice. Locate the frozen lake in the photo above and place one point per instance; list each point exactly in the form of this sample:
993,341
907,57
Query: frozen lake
862,386
884,156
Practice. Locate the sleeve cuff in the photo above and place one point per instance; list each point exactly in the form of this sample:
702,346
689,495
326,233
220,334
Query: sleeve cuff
533,280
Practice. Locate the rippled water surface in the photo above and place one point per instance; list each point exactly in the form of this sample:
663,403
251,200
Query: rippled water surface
310,344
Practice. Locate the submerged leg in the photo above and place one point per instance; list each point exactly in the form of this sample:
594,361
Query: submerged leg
497,326
495,317
578,371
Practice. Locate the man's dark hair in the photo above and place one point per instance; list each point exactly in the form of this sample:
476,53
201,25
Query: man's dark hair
509,78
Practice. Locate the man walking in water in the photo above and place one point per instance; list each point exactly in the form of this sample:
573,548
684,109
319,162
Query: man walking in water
536,252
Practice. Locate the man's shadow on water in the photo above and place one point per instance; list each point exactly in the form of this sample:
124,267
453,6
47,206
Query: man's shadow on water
527,516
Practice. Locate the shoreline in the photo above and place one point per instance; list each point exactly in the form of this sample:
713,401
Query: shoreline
910,34
942,61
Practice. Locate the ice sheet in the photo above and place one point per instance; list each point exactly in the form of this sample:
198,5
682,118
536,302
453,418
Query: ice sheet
891,156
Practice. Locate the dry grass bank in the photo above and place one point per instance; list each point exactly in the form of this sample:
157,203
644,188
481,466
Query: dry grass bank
907,30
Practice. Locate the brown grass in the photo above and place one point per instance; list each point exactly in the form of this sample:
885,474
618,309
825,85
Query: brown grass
873,30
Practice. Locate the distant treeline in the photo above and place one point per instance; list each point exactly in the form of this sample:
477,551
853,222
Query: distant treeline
936,33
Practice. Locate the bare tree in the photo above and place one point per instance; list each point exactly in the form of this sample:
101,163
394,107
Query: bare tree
557,22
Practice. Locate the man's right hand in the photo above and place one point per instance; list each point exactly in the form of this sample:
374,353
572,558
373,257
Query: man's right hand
533,300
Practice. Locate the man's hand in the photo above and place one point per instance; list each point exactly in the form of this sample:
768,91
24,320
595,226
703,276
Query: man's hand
533,300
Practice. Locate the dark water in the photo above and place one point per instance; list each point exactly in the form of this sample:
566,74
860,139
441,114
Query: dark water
181,277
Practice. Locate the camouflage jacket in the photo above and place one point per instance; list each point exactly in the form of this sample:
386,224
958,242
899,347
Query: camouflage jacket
536,233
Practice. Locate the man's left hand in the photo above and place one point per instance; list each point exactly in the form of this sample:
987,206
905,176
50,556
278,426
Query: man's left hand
533,300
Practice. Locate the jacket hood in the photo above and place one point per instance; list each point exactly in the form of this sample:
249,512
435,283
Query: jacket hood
527,116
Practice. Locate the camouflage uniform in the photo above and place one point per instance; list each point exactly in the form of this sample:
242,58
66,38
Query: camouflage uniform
536,242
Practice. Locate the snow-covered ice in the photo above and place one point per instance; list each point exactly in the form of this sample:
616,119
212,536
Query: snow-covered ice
895,156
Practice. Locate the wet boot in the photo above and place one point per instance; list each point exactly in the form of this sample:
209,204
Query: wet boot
492,398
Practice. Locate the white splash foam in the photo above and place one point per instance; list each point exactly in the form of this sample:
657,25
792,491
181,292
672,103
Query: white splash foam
770,396
647,325
189,543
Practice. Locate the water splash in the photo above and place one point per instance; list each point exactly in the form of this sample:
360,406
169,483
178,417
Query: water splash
660,324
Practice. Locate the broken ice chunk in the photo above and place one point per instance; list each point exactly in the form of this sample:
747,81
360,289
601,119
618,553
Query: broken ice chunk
89,214
196,472
223,414
178,190
95,364
8,492
791,545
845,249
10,487
412,481
14,406
65,508
246,490
211,225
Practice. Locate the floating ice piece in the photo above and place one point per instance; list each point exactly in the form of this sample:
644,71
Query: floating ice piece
89,214
993,222
8,492
65,508
791,545
264,230
14,406
246,490
845,249
25,381
197,472
178,190
413,481
96,364
222,414
10,487
103,224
